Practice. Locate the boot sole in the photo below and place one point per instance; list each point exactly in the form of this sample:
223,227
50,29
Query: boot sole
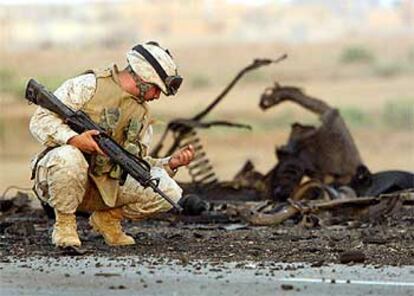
64,245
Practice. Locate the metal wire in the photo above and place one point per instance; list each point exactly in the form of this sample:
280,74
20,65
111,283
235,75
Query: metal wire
27,189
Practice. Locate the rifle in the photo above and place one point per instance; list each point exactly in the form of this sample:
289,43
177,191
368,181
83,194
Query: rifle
80,122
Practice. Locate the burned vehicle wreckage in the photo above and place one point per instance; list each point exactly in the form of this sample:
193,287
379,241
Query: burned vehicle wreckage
319,171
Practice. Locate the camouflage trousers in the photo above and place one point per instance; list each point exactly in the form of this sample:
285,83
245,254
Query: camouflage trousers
61,180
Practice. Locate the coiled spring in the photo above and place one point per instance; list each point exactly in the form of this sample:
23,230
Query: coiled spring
200,169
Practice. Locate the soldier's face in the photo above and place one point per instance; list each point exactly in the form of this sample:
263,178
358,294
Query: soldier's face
135,85
153,93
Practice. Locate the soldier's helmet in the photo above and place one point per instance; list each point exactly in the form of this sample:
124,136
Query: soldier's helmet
155,65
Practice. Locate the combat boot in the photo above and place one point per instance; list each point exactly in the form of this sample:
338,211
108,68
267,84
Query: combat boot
108,223
64,231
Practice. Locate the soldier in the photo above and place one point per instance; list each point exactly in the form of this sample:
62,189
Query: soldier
72,173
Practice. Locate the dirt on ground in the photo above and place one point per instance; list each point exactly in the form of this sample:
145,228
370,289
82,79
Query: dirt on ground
26,232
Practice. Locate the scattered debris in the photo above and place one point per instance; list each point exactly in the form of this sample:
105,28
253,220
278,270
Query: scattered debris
367,184
388,240
107,274
345,209
19,203
286,287
233,227
120,287
72,251
354,256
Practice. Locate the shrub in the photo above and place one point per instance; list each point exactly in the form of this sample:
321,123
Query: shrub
410,55
355,117
52,82
356,55
399,114
388,70
256,76
9,83
200,81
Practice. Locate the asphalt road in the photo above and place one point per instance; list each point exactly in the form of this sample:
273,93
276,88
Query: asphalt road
137,276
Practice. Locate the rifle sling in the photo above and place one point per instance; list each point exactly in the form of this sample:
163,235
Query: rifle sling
39,158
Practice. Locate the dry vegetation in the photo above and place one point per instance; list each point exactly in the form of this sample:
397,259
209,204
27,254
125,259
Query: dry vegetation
370,81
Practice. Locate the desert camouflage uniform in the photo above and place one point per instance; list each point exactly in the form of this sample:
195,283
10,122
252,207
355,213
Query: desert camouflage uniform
61,176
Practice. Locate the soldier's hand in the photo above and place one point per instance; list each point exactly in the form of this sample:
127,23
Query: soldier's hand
182,157
86,143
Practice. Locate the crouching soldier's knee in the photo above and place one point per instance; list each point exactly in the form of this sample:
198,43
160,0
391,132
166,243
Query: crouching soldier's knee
141,203
61,178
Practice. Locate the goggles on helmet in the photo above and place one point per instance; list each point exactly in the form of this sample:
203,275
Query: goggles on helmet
172,82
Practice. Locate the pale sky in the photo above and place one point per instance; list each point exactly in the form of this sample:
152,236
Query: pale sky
51,2
252,2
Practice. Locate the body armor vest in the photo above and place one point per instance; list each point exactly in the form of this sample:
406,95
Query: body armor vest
125,119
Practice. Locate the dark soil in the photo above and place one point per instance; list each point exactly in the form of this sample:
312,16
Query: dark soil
26,232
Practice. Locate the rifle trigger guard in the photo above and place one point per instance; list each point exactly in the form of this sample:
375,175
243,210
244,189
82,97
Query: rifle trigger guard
155,180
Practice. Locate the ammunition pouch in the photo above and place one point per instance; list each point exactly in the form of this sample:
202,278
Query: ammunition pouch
102,165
